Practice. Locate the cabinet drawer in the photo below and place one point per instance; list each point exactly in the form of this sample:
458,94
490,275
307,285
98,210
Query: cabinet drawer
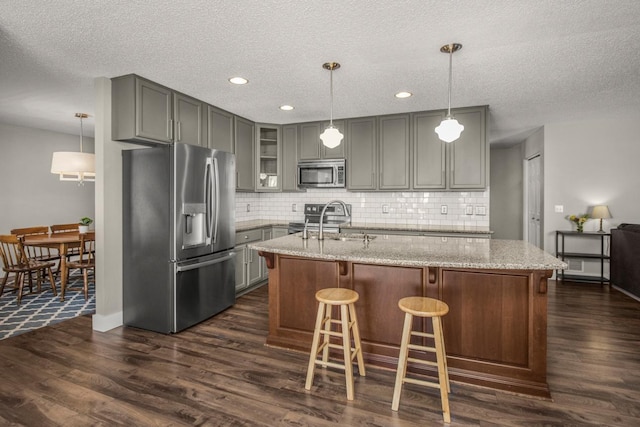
248,236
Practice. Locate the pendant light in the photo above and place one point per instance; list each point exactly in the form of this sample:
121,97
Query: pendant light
449,129
331,137
74,166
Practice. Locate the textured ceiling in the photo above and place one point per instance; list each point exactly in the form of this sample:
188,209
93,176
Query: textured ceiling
532,62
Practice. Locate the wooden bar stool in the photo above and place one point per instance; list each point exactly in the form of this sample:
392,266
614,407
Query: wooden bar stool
344,298
423,307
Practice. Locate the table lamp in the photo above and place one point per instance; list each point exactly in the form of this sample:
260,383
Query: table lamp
601,212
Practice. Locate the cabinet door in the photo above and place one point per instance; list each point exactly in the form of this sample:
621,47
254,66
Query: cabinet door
153,111
254,267
361,157
394,166
310,141
428,152
241,268
279,232
337,152
268,158
244,149
220,129
188,113
468,154
267,234
290,158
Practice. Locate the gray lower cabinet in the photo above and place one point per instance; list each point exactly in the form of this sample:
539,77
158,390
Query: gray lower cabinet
429,152
241,268
362,154
249,267
267,234
289,158
311,147
244,148
188,120
142,111
394,150
468,155
279,231
220,129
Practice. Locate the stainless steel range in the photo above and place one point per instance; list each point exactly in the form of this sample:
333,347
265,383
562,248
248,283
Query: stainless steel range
333,218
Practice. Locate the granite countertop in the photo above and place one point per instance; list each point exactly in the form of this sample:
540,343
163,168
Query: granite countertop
259,223
418,251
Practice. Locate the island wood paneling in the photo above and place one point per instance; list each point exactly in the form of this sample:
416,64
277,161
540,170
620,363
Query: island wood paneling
495,332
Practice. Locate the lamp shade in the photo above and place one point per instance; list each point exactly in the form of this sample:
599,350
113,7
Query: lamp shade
331,137
74,166
449,129
601,212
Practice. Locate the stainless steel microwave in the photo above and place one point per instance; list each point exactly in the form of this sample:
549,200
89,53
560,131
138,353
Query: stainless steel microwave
321,173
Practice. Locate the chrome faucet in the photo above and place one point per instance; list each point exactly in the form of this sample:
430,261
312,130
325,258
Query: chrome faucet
346,212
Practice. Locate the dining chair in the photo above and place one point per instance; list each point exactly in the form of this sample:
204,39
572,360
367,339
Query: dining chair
16,261
37,253
85,262
67,228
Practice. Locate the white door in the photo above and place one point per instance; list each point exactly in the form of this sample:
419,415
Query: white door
533,208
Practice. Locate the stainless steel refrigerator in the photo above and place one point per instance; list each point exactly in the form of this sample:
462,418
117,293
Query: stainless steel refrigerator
178,235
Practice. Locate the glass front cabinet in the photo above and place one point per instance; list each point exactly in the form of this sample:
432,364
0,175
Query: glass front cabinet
268,159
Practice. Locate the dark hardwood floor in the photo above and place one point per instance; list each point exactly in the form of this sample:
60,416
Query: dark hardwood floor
220,373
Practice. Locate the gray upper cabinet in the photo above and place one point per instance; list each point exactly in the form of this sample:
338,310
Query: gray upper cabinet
361,154
429,152
268,160
311,147
289,158
394,150
468,154
244,131
188,122
220,129
142,111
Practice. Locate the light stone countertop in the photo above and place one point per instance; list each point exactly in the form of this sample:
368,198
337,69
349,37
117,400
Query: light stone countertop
418,251
418,228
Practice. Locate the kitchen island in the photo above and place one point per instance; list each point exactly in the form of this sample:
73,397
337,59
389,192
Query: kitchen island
496,329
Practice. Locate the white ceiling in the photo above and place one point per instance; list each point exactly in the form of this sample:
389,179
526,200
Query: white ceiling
532,61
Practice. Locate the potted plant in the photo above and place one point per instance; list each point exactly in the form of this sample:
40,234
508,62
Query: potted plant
83,225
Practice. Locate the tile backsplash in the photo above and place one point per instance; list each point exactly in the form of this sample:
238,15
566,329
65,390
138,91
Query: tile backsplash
463,209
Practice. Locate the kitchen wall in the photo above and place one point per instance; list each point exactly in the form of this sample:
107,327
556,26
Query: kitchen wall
31,195
406,208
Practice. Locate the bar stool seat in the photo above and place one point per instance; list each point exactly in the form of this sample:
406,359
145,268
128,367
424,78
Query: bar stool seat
348,327
435,309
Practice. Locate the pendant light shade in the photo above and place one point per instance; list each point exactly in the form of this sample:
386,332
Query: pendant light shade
449,129
74,166
331,137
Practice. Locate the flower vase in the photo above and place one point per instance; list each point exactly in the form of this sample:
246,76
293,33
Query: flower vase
580,228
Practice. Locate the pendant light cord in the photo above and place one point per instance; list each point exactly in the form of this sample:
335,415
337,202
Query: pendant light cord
81,134
450,77
331,104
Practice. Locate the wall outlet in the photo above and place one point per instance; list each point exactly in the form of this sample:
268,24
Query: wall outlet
444,209
481,210
468,210
559,208
385,209
294,207
248,207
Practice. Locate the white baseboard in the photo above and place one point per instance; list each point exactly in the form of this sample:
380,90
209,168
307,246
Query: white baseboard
102,323
627,293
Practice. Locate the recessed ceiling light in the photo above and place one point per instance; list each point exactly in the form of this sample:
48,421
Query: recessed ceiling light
286,107
403,94
238,80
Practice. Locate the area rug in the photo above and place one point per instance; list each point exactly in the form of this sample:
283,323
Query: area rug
44,309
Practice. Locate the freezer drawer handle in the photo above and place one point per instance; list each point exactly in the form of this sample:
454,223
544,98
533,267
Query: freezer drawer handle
206,263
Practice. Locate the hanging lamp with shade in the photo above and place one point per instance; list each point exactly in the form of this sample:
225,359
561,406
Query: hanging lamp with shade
331,137
73,165
449,129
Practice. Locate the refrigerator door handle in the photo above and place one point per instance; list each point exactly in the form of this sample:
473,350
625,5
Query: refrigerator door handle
196,265
207,196
217,198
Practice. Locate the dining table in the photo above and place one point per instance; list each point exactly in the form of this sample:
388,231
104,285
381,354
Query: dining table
63,242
